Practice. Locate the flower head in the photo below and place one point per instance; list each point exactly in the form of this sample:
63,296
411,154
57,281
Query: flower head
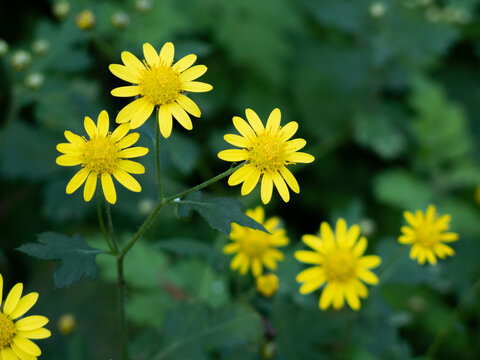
16,332
427,234
256,248
85,20
159,84
103,155
339,263
267,152
267,285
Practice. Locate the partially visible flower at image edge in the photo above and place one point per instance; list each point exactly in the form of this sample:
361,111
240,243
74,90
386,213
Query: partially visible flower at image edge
255,248
427,235
103,155
267,285
340,264
267,151
15,330
159,84
477,195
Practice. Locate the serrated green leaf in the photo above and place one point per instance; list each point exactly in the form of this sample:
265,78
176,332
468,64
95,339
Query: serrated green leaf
220,212
77,257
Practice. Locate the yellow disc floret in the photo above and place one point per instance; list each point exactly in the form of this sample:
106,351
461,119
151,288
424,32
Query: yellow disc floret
340,265
160,85
101,156
267,153
7,330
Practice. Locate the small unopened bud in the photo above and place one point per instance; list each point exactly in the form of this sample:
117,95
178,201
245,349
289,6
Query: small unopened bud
34,80
66,324
143,6
268,350
85,20
3,48
120,19
145,206
267,285
377,9
61,9
367,227
40,46
21,60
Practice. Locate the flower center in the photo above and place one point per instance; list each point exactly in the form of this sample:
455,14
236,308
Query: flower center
267,153
160,85
255,244
100,155
340,266
427,235
7,330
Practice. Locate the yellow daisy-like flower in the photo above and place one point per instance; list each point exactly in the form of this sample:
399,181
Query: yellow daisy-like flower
255,248
103,155
339,263
15,331
427,234
267,285
159,84
267,151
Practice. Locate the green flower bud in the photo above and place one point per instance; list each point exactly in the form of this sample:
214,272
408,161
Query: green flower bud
21,60
34,80
85,20
3,48
40,46
61,9
120,19
143,6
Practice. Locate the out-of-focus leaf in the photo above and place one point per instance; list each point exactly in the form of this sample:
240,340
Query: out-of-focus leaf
186,247
220,212
28,153
401,189
465,216
183,153
148,308
192,330
77,257
60,206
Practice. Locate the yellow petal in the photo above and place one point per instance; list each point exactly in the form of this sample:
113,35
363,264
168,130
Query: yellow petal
27,345
243,128
338,297
309,257
102,124
295,145
236,140
74,138
1,288
290,179
90,127
193,73
165,121
133,152
142,114
41,333
24,305
132,167
250,182
127,180
273,122
120,132
124,73
150,55
370,261
90,186
167,53
327,296
328,238
313,241
315,273
361,246
266,188
240,175
13,298
188,104
300,157
69,149
181,116
126,91
196,86
254,121
22,354
288,130
8,354
231,248
341,230
233,155
108,188
127,113
184,63
77,180
281,187
31,323
133,63
256,267
368,277
128,140
352,297
69,160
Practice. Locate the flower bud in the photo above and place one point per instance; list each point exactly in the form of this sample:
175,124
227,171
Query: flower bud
120,19
66,324
143,6
377,9
40,46
3,48
34,80
61,9
85,20
267,285
21,60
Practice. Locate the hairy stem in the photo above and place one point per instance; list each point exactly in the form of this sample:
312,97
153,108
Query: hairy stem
121,295
102,224
159,162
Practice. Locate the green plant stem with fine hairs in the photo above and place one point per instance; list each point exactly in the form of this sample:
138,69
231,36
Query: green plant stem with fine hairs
159,162
102,224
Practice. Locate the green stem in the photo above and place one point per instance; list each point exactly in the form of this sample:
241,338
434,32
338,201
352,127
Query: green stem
121,294
202,185
444,331
110,227
159,162
102,224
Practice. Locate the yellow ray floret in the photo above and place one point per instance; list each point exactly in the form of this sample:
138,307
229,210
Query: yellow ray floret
267,151
102,156
254,248
339,264
17,330
427,235
158,83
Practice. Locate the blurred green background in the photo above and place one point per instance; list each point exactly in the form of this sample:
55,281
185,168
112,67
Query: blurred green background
386,94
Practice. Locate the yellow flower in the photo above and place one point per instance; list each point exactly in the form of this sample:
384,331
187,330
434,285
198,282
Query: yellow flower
255,248
267,285
159,84
266,151
85,20
339,263
426,234
102,156
66,324
15,330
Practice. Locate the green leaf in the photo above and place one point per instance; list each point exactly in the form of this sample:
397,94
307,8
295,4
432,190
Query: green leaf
191,330
220,212
77,257
187,247
401,189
